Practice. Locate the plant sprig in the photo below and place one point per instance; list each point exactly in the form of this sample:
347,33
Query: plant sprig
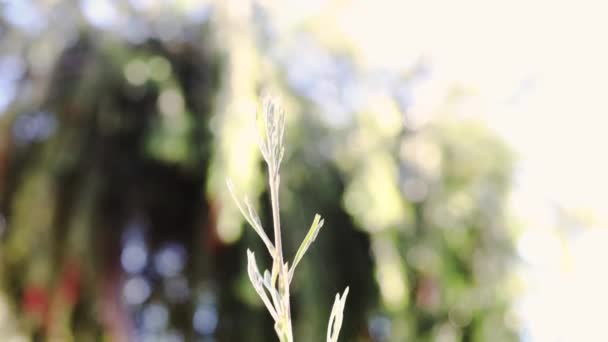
273,286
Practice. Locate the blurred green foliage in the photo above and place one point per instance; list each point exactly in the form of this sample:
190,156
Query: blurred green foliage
140,135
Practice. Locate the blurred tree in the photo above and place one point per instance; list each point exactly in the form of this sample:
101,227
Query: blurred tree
118,146
114,151
433,201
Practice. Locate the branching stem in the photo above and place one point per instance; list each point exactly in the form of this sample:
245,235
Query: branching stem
276,283
274,181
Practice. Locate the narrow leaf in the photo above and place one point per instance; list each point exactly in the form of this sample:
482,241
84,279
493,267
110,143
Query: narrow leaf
276,298
257,281
308,239
252,218
335,319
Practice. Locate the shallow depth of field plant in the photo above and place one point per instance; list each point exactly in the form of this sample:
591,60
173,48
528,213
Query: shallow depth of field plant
273,286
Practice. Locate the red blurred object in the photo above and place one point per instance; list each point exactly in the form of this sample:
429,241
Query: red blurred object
427,294
212,241
70,283
36,302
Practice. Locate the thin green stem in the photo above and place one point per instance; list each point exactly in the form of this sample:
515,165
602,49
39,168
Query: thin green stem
278,280
274,181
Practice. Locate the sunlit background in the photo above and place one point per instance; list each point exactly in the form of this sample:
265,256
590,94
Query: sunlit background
456,150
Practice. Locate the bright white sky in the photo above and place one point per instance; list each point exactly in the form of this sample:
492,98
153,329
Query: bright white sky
539,71
558,52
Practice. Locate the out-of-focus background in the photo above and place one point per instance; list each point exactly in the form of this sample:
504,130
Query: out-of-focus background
455,149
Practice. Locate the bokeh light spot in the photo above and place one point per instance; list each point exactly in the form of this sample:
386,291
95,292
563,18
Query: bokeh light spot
134,257
205,319
136,72
171,102
169,261
160,69
155,317
136,290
